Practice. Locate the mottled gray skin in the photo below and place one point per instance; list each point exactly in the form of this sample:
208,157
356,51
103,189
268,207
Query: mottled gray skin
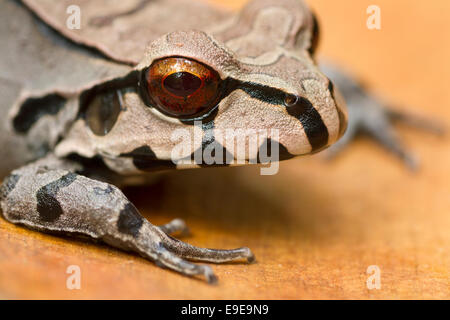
64,183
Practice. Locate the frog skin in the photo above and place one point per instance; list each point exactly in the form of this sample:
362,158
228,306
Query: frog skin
88,110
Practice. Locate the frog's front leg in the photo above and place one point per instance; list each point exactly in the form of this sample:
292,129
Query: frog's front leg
367,114
49,195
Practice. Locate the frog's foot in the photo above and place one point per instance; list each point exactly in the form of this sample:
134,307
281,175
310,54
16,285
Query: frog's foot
171,253
377,122
368,115
50,196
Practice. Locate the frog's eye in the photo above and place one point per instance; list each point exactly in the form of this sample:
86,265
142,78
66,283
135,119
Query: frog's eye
181,87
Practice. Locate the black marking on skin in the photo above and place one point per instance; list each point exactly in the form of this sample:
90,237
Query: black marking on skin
208,134
8,185
312,122
255,90
209,139
130,220
33,109
225,155
101,192
303,110
90,167
129,82
283,153
145,159
48,207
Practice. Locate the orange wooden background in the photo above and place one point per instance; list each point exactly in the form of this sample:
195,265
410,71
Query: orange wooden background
315,227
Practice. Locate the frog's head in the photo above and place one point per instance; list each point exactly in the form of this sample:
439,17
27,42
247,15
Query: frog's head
255,82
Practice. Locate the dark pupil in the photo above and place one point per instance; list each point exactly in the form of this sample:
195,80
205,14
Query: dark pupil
182,84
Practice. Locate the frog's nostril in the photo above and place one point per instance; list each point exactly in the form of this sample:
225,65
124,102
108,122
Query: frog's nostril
290,100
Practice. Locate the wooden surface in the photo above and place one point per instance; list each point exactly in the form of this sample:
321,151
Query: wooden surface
315,227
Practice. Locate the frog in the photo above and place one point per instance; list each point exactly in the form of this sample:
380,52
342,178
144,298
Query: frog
89,110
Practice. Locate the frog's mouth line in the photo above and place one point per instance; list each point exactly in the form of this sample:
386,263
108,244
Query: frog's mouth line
146,160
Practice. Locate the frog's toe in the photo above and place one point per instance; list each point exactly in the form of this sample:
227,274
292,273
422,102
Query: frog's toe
416,121
387,137
173,254
190,252
174,226
172,261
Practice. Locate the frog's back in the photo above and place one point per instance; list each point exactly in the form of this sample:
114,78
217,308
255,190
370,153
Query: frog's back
121,30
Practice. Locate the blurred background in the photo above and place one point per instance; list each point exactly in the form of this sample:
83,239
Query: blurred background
317,225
